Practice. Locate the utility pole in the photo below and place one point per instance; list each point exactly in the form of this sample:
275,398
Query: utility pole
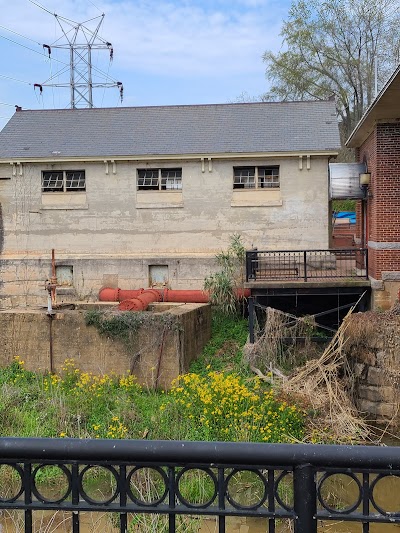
83,76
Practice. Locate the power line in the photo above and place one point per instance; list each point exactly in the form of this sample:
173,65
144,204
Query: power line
81,66
81,41
23,46
20,35
95,6
15,79
52,58
3,103
41,7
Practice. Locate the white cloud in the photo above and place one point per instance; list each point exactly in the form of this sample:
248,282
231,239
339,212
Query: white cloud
213,43
188,40
163,37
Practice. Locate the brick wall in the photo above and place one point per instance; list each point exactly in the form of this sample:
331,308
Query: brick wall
381,152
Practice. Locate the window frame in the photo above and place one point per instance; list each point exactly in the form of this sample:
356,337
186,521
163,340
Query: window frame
162,178
64,176
256,181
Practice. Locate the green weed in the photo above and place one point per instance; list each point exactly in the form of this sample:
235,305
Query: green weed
224,350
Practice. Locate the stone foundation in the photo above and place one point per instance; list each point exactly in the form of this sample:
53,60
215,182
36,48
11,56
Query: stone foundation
374,351
384,294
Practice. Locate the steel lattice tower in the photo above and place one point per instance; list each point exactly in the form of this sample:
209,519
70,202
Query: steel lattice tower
81,41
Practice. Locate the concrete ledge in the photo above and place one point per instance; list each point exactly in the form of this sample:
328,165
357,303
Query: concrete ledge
391,276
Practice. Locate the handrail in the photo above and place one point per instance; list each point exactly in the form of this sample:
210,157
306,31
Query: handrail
303,469
305,265
165,451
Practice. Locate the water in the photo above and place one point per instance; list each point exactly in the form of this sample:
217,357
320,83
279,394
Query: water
48,522
339,491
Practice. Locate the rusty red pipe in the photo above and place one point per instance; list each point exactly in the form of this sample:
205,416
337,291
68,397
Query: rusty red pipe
139,298
185,296
141,302
117,295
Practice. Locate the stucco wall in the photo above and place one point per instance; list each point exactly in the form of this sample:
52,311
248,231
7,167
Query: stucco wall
111,236
155,352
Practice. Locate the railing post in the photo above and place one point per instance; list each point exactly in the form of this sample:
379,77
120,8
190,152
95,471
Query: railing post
305,264
27,484
247,266
250,299
305,499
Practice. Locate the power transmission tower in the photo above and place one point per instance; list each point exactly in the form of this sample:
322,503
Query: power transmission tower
81,41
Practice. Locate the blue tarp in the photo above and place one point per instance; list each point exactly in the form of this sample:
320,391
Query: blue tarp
346,214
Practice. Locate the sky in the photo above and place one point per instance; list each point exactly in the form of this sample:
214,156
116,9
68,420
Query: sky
165,52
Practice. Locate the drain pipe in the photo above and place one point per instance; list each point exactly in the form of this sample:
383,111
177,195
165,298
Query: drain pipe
51,314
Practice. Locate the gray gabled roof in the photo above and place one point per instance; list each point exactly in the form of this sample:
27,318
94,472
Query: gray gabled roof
172,130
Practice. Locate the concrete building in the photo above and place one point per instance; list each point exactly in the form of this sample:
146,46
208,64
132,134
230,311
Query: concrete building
133,197
377,142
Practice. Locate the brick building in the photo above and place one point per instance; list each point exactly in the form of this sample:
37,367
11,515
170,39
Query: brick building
377,142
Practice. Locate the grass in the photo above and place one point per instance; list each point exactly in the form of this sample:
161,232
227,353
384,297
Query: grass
82,405
343,205
224,351
218,400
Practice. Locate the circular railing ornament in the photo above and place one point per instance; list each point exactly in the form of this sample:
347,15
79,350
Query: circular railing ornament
63,495
209,477
13,470
345,510
85,495
379,508
146,474
258,477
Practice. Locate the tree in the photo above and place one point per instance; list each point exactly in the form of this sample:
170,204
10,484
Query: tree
330,51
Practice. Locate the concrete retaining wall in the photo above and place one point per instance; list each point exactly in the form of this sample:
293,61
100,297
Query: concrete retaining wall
157,356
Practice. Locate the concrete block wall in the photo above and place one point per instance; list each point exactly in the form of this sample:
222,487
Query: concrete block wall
110,236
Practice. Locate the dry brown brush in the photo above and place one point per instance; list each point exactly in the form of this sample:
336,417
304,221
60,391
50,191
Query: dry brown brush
324,383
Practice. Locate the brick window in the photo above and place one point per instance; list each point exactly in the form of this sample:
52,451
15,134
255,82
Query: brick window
63,181
256,178
159,179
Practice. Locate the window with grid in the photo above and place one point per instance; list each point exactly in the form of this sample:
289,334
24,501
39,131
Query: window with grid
157,179
63,181
244,177
268,177
256,177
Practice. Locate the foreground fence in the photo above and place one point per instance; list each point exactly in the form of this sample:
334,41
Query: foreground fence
305,265
136,480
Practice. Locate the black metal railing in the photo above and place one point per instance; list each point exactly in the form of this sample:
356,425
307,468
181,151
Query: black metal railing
305,265
137,480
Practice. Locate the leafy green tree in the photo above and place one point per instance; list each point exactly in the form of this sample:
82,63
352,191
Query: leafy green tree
329,51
